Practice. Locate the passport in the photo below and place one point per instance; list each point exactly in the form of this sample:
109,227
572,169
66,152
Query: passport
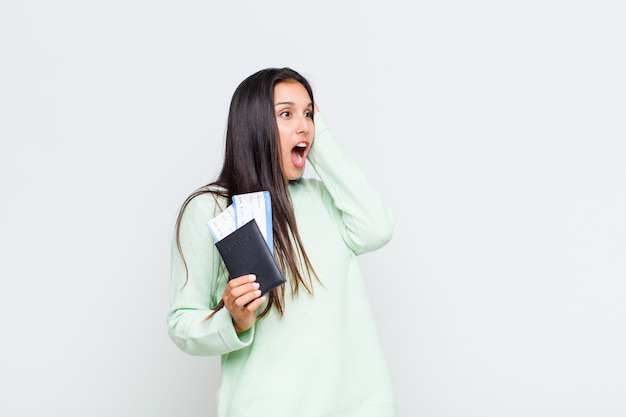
245,251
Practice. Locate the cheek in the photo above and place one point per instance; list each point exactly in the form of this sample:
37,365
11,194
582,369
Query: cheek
285,161
283,148
285,138
284,154
282,138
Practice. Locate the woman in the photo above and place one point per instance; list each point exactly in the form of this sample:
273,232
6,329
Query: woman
309,347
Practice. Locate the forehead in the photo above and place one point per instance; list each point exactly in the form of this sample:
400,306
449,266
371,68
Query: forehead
291,92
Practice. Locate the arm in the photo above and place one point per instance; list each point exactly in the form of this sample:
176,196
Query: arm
192,299
367,220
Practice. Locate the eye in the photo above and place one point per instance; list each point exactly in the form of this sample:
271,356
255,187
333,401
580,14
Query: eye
308,114
284,113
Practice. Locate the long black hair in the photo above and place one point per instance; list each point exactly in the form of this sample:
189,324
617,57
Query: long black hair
251,164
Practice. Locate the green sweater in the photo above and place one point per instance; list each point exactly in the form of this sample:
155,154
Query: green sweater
323,357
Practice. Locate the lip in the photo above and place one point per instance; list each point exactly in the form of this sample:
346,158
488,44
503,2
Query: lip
299,153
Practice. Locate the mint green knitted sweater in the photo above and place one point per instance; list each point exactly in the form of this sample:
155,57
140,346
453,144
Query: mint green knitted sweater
323,357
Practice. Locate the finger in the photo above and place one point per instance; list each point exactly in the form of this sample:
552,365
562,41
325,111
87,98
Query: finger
242,301
254,304
234,293
244,279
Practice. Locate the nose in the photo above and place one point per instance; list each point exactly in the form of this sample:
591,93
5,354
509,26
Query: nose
303,125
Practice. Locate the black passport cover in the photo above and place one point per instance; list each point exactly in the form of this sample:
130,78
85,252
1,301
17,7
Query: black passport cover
245,251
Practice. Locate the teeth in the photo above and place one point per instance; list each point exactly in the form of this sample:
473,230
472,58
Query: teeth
301,145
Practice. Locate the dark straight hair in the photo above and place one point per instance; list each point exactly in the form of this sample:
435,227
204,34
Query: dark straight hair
251,164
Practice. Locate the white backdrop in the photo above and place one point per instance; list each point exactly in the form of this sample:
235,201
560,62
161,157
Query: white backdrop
495,130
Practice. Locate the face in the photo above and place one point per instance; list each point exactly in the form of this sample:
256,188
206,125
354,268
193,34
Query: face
294,116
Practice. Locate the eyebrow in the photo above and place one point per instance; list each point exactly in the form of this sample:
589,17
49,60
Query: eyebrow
291,103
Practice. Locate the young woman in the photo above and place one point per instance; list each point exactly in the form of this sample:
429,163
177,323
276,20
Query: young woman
308,348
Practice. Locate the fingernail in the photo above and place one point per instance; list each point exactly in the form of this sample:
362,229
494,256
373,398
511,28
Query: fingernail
258,292
256,285
252,277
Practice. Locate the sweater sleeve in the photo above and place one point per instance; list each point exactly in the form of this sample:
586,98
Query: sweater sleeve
366,221
195,290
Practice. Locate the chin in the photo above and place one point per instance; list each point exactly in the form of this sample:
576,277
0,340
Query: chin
294,177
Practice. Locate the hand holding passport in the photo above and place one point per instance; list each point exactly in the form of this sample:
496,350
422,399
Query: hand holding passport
243,235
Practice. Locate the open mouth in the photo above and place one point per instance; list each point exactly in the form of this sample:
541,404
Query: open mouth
298,154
